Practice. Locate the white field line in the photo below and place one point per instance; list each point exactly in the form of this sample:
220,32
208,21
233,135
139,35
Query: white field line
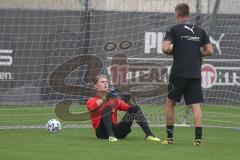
170,59
90,126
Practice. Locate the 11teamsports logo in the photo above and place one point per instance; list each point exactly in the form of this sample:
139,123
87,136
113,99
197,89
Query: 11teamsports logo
209,75
219,76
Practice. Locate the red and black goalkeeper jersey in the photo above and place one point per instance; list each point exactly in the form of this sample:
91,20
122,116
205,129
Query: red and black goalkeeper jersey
96,112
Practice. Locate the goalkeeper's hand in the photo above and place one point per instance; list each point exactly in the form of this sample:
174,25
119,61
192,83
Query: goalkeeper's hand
128,98
112,93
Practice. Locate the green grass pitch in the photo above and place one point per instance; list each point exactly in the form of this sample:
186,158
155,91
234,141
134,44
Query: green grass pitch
81,143
38,144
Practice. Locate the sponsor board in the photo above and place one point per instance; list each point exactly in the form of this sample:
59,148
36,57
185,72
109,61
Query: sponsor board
145,75
220,76
6,59
153,42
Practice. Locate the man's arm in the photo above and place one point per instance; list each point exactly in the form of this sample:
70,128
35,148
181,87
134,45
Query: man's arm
99,102
112,94
167,47
207,50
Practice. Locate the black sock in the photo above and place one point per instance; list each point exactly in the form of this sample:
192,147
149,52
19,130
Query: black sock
140,119
107,120
169,130
198,132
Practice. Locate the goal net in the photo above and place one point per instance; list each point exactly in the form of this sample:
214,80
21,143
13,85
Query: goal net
50,52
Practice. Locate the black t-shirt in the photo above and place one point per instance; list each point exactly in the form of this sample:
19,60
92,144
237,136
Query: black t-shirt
187,40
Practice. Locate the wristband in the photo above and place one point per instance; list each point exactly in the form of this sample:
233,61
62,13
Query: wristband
104,98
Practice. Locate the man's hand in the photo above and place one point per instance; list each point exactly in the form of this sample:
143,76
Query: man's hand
112,94
127,97
206,50
167,47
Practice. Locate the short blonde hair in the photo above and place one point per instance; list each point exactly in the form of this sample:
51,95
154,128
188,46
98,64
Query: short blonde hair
98,77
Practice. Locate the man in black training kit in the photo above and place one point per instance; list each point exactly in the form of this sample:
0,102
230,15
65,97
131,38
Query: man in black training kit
187,43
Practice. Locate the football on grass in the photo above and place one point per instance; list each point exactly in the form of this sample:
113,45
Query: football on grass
53,125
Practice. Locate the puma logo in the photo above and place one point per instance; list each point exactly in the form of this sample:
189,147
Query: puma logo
190,29
217,42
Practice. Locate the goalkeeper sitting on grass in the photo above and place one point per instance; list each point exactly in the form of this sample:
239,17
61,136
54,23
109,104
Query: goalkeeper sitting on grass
103,112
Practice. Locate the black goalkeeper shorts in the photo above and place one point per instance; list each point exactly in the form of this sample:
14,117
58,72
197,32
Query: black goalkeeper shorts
190,88
121,130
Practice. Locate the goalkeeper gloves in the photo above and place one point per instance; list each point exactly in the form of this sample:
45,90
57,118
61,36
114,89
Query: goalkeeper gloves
127,97
113,93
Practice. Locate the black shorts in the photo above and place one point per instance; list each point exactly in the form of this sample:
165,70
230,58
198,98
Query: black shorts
121,130
190,88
